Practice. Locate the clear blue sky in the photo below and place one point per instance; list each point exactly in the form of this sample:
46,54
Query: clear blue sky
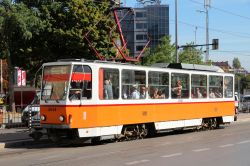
229,21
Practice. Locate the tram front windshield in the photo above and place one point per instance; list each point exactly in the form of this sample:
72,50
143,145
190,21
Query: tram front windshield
55,82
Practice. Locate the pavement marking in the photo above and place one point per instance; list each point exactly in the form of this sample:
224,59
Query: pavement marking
49,157
244,142
163,144
226,145
201,150
225,135
172,155
137,162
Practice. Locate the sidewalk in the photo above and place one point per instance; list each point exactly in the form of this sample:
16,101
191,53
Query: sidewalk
19,137
14,134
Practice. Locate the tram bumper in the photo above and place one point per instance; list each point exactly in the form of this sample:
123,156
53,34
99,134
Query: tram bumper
56,126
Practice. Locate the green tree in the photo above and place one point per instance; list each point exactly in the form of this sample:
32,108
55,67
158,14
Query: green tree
66,24
163,53
37,31
52,30
238,82
191,55
245,83
236,63
17,26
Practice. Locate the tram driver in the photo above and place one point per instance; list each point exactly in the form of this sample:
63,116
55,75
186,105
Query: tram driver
75,91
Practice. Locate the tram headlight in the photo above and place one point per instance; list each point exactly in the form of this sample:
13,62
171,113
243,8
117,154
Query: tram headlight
43,117
61,118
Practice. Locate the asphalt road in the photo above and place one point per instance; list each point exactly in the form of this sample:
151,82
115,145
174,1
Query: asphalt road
228,146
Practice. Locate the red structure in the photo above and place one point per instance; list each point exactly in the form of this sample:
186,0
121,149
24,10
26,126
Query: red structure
121,56
23,96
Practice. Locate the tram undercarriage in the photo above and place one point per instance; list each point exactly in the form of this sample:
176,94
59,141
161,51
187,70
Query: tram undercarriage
129,132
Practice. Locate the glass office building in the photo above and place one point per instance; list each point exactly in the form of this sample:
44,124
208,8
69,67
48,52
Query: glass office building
147,23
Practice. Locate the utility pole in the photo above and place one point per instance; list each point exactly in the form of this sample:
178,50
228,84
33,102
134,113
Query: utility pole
195,30
176,32
1,76
207,6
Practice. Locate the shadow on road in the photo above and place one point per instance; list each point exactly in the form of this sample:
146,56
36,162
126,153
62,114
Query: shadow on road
26,142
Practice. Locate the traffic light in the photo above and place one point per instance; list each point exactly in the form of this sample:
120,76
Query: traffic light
215,44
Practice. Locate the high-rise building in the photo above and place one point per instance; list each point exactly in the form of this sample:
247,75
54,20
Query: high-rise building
147,23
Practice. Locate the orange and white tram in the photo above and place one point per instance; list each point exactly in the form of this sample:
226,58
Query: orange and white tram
104,100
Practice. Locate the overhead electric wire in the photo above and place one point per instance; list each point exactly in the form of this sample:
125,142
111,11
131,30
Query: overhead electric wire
231,33
233,52
237,34
222,10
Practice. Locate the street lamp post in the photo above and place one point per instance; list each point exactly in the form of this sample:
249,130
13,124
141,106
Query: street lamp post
207,5
176,32
1,76
21,88
195,31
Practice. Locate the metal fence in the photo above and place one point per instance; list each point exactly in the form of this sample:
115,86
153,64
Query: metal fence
28,117
9,119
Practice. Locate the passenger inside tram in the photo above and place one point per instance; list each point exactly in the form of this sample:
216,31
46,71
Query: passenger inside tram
143,92
177,90
161,95
135,94
155,94
211,93
198,93
108,89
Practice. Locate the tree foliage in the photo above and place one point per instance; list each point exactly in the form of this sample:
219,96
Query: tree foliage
191,55
245,83
17,26
164,53
41,31
34,32
236,63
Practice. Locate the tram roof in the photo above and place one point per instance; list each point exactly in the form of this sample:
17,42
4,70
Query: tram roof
184,66
189,67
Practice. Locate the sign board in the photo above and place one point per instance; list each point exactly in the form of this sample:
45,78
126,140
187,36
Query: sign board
21,77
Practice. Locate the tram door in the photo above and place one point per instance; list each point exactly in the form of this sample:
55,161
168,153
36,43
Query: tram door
81,83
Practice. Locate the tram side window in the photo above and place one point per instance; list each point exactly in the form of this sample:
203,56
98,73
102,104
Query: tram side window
179,85
108,84
215,86
133,83
228,86
198,86
158,85
81,83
